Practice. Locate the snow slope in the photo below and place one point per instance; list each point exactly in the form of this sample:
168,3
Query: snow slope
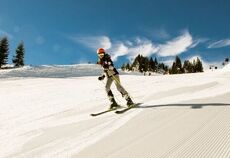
45,113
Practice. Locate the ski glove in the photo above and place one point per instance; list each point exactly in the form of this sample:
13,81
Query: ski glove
109,68
100,78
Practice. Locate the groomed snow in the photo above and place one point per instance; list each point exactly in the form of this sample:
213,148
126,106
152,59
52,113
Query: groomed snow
45,113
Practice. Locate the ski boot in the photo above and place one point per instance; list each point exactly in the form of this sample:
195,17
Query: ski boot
129,102
113,105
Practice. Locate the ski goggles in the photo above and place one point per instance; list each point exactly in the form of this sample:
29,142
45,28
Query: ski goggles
100,55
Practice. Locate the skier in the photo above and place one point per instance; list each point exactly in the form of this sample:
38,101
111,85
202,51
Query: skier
111,75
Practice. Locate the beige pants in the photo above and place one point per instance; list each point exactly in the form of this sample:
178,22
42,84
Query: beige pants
109,82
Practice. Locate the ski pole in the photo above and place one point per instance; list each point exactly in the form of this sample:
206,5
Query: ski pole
116,80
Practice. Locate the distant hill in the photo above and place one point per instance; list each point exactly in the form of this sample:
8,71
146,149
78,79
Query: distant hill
53,71
57,71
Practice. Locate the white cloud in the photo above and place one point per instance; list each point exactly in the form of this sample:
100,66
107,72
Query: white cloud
176,46
169,62
117,50
128,43
139,45
94,42
198,41
145,48
219,44
132,49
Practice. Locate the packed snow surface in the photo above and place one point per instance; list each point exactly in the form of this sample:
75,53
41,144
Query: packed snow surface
45,112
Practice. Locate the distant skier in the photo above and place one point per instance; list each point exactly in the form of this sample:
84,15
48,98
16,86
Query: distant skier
111,75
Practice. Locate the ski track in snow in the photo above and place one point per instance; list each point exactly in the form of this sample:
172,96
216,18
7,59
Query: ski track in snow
45,112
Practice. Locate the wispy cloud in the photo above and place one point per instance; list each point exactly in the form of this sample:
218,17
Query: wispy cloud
93,42
176,46
198,41
144,46
118,49
138,46
220,43
168,62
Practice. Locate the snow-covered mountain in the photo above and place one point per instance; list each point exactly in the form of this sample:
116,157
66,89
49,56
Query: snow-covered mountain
53,71
45,112
56,71
226,68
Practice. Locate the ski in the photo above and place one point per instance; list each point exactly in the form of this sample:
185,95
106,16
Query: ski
128,108
100,113
106,111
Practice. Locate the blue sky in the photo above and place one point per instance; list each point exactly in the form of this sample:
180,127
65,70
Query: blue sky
70,31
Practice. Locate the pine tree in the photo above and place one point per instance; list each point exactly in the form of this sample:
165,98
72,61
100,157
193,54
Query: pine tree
128,67
198,65
177,66
136,63
162,66
173,69
123,67
141,66
188,67
4,51
145,64
152,65
18,60
156,64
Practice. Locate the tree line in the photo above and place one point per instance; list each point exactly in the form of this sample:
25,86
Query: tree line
18,58
145,64
187,67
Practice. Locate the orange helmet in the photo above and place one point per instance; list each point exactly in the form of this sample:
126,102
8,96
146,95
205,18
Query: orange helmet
100,51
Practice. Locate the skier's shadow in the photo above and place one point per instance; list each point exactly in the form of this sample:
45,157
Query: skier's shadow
192,105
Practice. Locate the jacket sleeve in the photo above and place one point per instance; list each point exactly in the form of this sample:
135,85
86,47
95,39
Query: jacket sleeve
108,64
